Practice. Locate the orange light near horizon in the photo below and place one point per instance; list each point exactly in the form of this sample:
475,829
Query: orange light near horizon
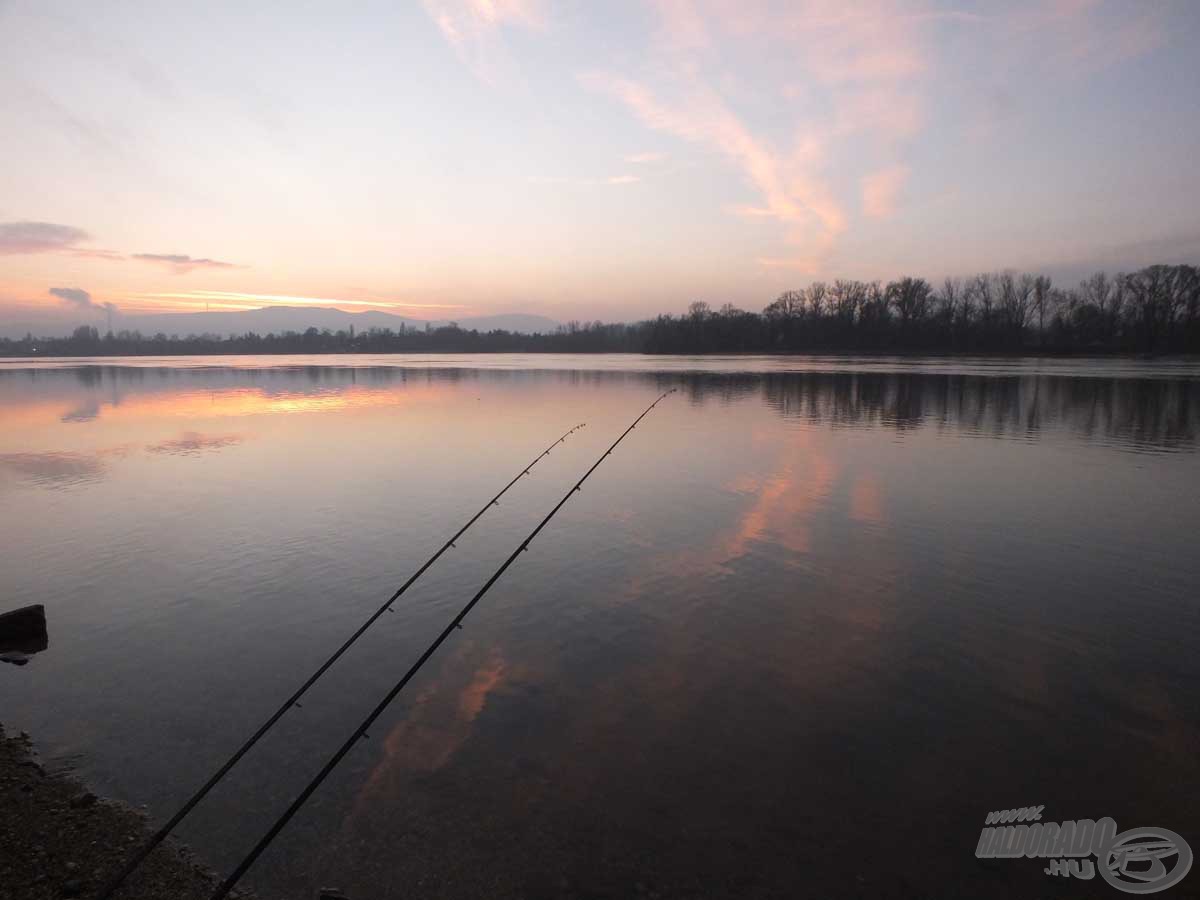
187,305
254,402
235,403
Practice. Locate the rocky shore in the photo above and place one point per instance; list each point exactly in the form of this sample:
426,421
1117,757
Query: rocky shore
58,840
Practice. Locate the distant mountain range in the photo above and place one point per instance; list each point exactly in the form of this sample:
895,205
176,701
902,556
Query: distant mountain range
269,319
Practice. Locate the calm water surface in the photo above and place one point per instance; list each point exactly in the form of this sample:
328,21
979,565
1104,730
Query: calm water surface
796,637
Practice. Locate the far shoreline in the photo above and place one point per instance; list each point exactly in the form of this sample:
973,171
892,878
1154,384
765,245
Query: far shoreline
1092,353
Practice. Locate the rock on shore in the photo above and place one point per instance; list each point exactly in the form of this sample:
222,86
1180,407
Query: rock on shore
58,840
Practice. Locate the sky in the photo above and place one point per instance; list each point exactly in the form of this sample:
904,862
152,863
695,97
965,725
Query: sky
448,158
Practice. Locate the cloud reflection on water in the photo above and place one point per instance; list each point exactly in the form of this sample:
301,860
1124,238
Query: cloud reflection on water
192,442
55,469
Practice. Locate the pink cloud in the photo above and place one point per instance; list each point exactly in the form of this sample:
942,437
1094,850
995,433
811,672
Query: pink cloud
39,237
1087,35
1051,42
473,29
834,72
881,190
182,263
789,195
814,103
683,26
887,111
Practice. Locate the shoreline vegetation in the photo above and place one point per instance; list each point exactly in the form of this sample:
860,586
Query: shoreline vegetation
61,840
1153,311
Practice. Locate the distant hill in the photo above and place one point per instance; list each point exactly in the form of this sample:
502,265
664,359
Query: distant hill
269,319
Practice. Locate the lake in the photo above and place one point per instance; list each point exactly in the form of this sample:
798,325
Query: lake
808,624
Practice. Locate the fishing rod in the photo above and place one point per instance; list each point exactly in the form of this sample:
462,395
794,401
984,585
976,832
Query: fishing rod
361,731
158,837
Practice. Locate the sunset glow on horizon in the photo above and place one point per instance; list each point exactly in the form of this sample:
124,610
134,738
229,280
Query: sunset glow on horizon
454,158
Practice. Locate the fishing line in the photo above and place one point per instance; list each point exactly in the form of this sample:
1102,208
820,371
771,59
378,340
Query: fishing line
158,837
456,622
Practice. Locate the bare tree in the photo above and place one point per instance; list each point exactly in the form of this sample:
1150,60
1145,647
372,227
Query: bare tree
872,307
788,305
816,297
984,294
847,298
1118,304
1014,300
1150,292
1041,296
1098,290
1189,286
910,297
948,299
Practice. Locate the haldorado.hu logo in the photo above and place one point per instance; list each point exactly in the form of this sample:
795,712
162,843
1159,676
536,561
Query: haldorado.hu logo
1138,861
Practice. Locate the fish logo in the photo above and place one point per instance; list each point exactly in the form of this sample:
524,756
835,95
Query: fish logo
1136,861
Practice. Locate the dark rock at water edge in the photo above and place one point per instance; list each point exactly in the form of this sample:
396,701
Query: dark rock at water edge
25,624
23,633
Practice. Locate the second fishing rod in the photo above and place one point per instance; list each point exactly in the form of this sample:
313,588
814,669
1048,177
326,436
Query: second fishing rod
159,836
361,731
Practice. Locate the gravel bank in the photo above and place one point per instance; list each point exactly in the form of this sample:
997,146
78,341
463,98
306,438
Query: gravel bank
58,840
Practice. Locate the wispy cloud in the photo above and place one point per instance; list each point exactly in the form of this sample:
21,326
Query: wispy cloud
182,263
39,237
881,191
838,91
830,72
623,179
1052,42
789,190
644,158
1085,35
473,28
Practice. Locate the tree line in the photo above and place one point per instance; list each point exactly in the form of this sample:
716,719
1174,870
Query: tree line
1153,310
